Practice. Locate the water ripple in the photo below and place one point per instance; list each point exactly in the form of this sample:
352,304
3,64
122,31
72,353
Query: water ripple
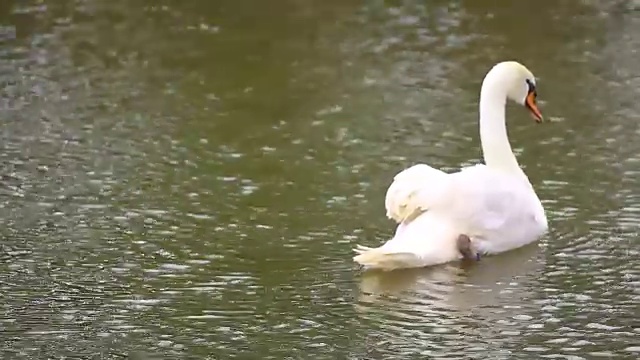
181,183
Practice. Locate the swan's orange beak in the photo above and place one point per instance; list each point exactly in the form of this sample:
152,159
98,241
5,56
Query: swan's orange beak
530,103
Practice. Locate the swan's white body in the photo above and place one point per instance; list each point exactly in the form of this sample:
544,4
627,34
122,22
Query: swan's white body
493,204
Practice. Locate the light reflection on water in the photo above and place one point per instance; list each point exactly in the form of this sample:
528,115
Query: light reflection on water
178,182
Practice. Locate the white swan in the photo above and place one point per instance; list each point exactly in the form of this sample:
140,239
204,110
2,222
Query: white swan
493,206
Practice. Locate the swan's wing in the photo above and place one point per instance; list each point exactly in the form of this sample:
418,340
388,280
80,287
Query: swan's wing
476,198
415,190
486,200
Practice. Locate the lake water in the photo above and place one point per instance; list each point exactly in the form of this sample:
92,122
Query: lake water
186,180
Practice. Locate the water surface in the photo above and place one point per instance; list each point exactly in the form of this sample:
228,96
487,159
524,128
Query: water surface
187,179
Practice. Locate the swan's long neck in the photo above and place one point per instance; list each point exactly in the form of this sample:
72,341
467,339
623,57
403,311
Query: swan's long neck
493,130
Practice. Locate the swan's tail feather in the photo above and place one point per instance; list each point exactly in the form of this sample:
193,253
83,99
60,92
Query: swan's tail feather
361,249
377,258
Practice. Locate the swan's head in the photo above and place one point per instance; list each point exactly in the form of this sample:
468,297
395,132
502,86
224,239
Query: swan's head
520,85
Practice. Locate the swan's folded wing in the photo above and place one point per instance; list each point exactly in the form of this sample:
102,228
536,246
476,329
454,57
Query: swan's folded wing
415,190
486,200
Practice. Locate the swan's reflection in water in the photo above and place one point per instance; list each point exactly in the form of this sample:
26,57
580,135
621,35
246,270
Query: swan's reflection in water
453,308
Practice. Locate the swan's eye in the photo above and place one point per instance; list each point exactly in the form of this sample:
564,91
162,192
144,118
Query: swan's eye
532,87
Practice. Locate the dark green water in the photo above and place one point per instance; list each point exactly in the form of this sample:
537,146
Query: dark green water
186,179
